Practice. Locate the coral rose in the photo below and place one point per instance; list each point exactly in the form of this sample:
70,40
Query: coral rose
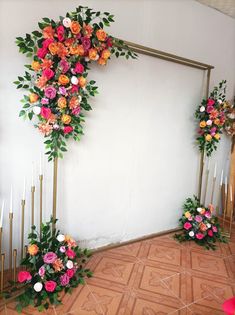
48,32
93,54
87,29
63,79
45,129
62,102
35,65
46,63
82,81
106,54
102,61
50,286
24,276
33,97
33,249
58,265
68,129
75,27
66,119
53,48
202,124
217,136
208,138
203,227
101,35
73,103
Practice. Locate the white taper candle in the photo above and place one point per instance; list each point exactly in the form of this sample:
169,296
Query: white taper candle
11,201
221,178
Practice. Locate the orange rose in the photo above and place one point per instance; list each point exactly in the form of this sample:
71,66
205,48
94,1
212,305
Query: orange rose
46,63
217,136
87,30
63,79
70,241
62,102
74,50
41,82
53,48
35,65
52,119
33,97
101,35
82,81
93,54
203,211
75,27
62,50
106,54
66,119
217,121
69,42
203,227
58,265
202,124
73,103
208,138
48,32
102,61
33,249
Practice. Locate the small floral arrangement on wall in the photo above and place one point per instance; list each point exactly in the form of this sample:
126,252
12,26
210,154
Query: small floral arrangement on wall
54,263
199,224
57,85
211,118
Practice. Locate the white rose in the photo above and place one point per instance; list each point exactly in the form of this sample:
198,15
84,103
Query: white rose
37,110
220,101
60,238
69,264
191,234
87,59
209,122
66,22
202,109
97,57
199,209
74,80
56,126
38,287
208,225
79,98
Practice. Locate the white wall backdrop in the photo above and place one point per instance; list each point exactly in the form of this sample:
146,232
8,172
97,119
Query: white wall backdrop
137,161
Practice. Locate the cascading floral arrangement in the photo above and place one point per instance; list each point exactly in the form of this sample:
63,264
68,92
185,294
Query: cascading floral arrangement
211,117
57,84
54,263
199,224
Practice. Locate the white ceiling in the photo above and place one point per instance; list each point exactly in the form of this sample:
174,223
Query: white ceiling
224,6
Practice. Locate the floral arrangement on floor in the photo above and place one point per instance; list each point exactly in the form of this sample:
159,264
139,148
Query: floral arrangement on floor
229,125
54,263
199,225
58,89
211,117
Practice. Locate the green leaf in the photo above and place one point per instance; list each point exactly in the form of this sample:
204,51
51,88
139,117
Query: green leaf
37,34
22,113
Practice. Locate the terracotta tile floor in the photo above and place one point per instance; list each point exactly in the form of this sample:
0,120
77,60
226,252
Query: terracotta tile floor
153,277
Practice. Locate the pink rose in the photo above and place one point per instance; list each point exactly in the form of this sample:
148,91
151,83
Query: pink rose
187,225
50,286
198,218
76,111
41,53
208,214
214,229
62,90
45,112
70,273
67,129
45,101
49,258
210,233
48,73
70,253
41,271
210,102
47,42
209,109
50,92
109,42
60,33
79,68
62,249
64,280
199,236
86,43
64,65
74,89
24,276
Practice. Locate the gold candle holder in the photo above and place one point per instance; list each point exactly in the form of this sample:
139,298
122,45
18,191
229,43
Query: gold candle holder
1,233
22,227
213,189
10,241
14,264
41,187
2,271
32,204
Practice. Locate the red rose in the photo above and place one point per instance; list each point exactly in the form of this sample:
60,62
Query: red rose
74,89
24,276
70,253
210,233
70,273
79,68
45,112
50,286
109,42
68,129
210,102
60,33
48,73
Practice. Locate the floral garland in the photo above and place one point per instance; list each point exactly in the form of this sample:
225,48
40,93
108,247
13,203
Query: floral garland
54,263
58,87
199,224
211,116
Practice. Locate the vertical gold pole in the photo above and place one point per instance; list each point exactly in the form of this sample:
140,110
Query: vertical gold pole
213,190
55,171
218,201
10,241
25,250
207,178
231,219
40,220
225,207
1,230
22,227
2,271
14,264
32,204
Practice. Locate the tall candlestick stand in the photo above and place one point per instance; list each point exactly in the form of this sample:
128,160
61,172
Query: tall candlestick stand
213,189
2,271
206,185
40,201
32,204
22,227
201,175
10,241
14,264
55,172
218,201
225,208
1,230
